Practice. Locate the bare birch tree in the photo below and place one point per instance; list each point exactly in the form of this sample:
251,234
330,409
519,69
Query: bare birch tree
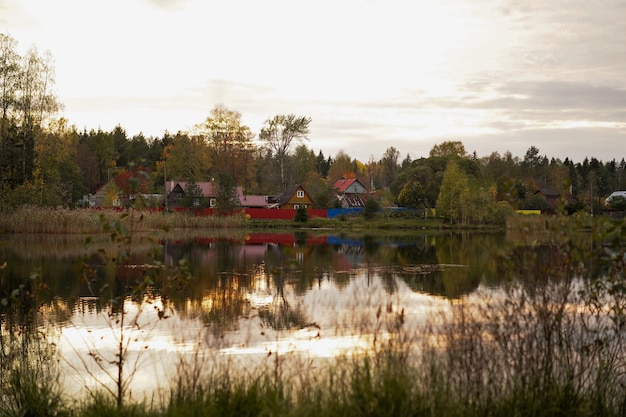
280,132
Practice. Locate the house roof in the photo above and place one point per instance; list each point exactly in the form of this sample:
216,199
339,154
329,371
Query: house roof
343,184
286,195
252,200
209,189
549,192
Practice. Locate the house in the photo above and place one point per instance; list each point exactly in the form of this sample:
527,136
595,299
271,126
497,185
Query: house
293,197
107,195
176,191
349,186
350,192
553,197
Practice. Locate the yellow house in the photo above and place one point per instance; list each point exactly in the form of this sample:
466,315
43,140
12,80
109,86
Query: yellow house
294,197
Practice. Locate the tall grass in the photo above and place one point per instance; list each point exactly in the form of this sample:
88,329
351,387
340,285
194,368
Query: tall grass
38,220
29,373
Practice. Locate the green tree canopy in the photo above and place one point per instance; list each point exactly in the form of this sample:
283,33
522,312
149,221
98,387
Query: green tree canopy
448,148
187,159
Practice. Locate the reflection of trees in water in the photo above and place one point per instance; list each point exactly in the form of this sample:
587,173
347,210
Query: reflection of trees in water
475,252
224,272
223,305
287,265
282,316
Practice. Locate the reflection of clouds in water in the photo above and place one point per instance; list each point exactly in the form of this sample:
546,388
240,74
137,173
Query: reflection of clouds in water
338,320
353,308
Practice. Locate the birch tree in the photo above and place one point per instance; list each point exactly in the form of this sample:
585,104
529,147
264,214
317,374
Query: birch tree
279,133
9,76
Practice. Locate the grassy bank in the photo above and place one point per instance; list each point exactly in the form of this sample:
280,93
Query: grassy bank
63,221
34,220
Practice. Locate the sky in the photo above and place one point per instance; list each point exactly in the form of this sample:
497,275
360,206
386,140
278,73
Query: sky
497,75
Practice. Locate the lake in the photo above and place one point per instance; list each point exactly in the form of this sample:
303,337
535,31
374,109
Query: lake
195,301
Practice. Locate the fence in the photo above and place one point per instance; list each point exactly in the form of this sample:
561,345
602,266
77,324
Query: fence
333,213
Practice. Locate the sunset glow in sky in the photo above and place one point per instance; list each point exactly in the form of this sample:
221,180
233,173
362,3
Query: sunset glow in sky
497,75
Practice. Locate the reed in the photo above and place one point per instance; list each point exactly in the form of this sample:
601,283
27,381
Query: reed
38,220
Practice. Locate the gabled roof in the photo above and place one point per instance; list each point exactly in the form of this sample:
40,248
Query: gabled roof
343,184
549,192
209,189
286,195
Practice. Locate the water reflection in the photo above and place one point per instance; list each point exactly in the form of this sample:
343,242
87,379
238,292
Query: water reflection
255,296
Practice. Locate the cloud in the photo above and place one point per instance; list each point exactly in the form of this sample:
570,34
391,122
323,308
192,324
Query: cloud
168,4
4,11
574,143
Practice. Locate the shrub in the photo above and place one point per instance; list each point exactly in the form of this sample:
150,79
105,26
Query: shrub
371,208
498,213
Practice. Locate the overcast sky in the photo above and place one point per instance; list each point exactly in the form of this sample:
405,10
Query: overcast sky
498,75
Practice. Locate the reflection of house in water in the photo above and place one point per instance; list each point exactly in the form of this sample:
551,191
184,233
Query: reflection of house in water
349,253
256,248
210,254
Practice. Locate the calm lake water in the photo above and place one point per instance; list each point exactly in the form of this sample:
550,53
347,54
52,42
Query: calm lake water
250,298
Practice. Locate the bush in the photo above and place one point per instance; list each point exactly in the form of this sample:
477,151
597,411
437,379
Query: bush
371,208
498,213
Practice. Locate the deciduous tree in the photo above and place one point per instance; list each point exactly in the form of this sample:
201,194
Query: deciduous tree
413,196
230,142
453,194
449,148
280,132
342,167
187,159
389,167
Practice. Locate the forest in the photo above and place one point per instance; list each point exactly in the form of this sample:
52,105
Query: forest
46,161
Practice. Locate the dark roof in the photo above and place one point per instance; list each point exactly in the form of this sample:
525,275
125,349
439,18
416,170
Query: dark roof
549,192
286,195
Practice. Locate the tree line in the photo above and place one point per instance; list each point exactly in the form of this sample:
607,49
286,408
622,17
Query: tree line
46,161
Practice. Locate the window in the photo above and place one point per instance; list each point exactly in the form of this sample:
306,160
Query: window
300,194
212,202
